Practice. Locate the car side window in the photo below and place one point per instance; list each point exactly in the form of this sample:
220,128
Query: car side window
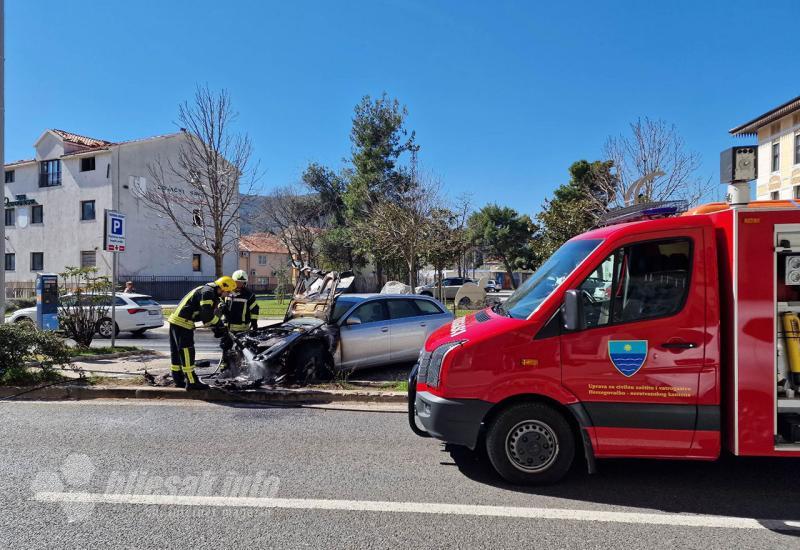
399,309
638,281
371,312
427,307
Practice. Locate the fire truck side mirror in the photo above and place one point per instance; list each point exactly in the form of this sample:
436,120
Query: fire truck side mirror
572,310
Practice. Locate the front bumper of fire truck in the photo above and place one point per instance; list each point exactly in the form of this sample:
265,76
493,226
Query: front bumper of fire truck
456,421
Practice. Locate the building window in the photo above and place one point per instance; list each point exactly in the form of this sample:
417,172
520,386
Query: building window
262,280
797,148
9,176
49,173
197,262
87,210
262,259
88,258
9,216
11,261
776,156
37,261
37,213
197,218
775,195
87,164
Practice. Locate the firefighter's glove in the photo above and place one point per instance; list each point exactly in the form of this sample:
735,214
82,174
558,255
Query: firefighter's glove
219,331
222,309
253,324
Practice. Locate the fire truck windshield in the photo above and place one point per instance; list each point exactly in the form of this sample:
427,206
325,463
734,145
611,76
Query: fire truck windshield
547,278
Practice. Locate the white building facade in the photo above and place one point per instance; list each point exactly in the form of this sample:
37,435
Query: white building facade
56,203
778,134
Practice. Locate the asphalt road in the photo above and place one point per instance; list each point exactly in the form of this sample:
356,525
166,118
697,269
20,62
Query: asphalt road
158,340
106,474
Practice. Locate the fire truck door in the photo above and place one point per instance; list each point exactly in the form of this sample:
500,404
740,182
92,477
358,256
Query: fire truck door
635,363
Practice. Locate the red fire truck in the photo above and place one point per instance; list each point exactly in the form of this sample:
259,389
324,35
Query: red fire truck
659,338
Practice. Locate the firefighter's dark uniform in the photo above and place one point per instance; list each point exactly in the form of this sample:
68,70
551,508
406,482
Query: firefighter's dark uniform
197,306
241,310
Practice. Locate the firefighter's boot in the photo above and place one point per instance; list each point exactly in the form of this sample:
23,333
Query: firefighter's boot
193,382
178,377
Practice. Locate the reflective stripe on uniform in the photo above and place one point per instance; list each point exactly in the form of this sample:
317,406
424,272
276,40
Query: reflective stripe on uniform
254,304
176,319
214,320
175,368
206,302
180,321
240,328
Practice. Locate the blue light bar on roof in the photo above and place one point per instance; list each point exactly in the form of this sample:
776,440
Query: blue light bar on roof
643,211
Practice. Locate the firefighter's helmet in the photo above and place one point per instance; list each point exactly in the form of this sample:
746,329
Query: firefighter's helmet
226,284
239,275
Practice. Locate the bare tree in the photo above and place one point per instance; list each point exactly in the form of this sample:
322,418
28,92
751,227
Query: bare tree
200,192
296,219
402,227
652,163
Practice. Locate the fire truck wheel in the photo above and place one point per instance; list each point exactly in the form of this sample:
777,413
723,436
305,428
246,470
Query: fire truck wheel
530,444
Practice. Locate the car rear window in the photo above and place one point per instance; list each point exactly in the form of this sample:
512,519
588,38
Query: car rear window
427,307
144,301
402,308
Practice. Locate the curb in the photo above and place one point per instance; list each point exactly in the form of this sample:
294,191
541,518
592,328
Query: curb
62,392
118,355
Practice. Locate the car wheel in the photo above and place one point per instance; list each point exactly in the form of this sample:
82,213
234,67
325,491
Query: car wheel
530,444
310,364
104,328
464,302
25,321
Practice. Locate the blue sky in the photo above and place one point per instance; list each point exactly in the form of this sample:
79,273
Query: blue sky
504,96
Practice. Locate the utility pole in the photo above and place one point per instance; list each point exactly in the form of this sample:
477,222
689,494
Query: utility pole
2,157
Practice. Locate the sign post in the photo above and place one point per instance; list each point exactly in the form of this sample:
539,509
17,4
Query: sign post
114,242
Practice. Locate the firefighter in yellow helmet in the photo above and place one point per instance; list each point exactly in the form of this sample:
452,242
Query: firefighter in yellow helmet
199,305
241,312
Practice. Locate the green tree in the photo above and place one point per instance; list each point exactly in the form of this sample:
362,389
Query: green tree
576,206
505,235
379,138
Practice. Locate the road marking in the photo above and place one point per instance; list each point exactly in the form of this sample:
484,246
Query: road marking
678,520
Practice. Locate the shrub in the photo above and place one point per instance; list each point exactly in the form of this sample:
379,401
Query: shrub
22,346
80,311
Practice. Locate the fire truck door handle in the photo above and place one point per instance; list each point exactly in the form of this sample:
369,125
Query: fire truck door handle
423,324
679,345
384,329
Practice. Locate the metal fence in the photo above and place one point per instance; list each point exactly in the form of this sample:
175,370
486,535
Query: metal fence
162,287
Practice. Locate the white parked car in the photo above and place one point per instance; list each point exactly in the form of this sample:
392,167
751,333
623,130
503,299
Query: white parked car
134,313
492,286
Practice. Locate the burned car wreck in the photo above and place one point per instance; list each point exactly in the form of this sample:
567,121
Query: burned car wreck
299,350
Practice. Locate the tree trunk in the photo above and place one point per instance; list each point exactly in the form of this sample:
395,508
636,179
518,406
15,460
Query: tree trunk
378,275
510,273
218,264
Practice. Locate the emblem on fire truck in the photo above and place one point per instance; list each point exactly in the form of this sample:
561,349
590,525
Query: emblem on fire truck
627,356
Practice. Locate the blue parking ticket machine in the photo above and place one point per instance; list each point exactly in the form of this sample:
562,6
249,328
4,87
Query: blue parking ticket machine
47,301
